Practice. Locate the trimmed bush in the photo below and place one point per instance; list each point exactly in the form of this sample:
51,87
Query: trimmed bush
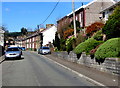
98,35
111,48
87,46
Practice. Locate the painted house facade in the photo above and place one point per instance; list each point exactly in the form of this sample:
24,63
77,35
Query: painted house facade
49,35
86,14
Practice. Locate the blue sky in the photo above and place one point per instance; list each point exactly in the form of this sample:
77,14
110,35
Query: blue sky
16,15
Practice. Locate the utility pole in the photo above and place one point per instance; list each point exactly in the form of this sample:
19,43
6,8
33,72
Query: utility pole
74,21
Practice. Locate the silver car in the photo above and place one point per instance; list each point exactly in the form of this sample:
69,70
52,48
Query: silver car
13,52
44,50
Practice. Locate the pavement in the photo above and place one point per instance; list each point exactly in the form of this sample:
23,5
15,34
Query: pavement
2,58
89,73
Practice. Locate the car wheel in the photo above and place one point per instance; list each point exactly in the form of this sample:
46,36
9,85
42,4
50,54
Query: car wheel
20,57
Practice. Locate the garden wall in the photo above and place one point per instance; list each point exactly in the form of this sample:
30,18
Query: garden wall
110,65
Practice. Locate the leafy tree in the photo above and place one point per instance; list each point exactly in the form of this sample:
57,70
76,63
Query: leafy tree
14,34
69,42
62,44
56,42
24,31
77,24
112,26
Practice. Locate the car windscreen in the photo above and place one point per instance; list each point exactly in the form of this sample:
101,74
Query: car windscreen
12,49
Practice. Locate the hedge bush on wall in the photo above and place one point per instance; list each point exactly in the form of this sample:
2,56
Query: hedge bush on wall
111,48
98,35
87,46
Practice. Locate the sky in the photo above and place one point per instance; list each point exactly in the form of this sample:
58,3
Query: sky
16,15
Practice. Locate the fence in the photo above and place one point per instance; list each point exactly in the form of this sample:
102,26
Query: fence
110,65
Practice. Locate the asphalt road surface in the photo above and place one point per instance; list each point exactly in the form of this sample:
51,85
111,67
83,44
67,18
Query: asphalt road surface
35,70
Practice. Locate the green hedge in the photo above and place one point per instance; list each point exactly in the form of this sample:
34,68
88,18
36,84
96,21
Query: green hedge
87,46
98,36
111,48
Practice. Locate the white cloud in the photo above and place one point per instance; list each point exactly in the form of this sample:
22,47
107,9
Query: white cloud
7,9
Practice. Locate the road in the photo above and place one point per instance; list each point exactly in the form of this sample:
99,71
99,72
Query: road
36,70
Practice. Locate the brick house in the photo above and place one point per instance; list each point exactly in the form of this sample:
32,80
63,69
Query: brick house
31,42
86,14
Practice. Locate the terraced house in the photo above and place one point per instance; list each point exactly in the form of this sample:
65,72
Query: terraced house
42,37
86,14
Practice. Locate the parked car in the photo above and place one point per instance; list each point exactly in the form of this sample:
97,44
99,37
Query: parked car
44,50
13,52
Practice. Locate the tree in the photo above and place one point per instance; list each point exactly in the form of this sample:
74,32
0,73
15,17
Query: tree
6,32
112,26
24,31
78,27
56,42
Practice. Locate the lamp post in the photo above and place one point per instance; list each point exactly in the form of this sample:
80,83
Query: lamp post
74,23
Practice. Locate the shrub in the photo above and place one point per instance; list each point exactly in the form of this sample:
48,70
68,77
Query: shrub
69,43
56,42
68,33
94,27
92,52
62,44
98,35
112,26
111,48
87,46
80,38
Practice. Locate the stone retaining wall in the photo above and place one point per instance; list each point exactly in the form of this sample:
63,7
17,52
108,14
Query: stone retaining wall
110,65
